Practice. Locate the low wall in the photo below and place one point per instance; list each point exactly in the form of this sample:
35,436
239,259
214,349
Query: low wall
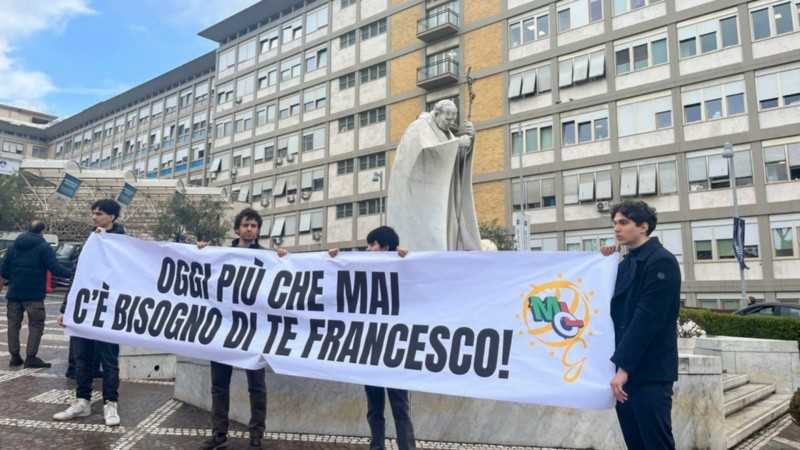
143,364
766,361
301,405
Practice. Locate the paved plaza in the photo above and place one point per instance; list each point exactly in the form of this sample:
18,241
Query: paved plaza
152,419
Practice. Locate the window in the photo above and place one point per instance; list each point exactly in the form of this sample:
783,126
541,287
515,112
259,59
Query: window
439,63
293,30
265,114
243,122
785,230
224,94
224,128
647,178
199,125
529,82
247,50
244,85
288,145
13,147
578,13
372,161
538,193
373,72
709,170
641,53
312,180
346,3
310,221
344,210
708,36
227,59
372,116
713,239
347,81
314,139
585,128
782,162
526,29
289,106
317,20
347,123
170,105
531,138
713,102
265,151
348,39
624,6
588,240
316,59
372,206
644,116
242,157
587,186
290,68
269,40
268,76
261,189
374,29
314,98
778,89
776,19
581,68
344,167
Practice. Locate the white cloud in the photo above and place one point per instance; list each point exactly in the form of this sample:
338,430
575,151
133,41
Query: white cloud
22,20
203,13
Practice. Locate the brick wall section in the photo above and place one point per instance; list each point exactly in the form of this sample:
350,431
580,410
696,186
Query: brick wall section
489,100
489,145
403,73
401,114
481,48
404,27
398,2
478,9
490,201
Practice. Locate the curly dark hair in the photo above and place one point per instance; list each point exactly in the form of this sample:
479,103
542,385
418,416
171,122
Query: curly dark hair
637,211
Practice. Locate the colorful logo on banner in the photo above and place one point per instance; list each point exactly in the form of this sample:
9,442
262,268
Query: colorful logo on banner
556,314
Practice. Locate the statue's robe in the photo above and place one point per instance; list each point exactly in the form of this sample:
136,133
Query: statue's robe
430,203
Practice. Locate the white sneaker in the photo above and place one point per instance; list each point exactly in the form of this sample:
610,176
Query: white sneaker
79,408
110,413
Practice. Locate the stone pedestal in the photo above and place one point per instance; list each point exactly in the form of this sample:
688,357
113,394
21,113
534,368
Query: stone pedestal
143,364
301,405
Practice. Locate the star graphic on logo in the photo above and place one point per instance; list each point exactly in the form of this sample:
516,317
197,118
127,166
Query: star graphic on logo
591,332
532,343
596,311
579,280
517,316
552,353
520,332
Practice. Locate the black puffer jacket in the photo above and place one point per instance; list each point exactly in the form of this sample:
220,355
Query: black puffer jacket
26,265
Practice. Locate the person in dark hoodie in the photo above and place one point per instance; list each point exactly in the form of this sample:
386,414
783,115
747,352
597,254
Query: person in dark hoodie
25,267
104,217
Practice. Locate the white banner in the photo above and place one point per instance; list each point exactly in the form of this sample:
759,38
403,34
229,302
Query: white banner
531,327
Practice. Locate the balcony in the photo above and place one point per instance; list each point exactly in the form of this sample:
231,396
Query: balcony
438,25
438,74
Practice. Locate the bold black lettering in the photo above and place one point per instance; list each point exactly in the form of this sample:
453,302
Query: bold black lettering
238,330
287,335
438,360
78,313
120,312
414,345
140,324
176,321
314,335
167,275
210,326
282,278
315,291
353,295
460,367
487,348
333,337
398,332
352,342
226,278
160,316
373,343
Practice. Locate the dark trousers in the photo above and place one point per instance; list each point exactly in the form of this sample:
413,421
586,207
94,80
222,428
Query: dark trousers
36,315
221,398
71,359
398,401
85,351
646,418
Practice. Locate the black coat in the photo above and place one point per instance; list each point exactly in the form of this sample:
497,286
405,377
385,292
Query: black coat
25,266
645,314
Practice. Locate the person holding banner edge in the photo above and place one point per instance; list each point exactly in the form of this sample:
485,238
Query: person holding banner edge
383,239
105,213
644,309
246,225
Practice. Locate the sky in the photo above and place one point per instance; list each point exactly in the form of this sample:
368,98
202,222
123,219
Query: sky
63,56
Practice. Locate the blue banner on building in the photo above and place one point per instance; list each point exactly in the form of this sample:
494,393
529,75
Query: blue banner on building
126,195
65,191
738,241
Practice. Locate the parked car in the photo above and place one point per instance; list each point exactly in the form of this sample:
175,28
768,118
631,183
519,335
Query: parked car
771,309
67,254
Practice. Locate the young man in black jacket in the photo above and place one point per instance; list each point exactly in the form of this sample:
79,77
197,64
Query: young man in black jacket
644,310
104,217
246,225
25,266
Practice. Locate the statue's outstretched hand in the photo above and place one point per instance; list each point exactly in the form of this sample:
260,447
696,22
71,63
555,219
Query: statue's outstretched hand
469,129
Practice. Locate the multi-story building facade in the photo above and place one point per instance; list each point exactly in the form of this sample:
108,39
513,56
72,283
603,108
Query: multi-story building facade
587,102
21,136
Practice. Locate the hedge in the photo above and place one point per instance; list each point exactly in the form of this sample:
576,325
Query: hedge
727,324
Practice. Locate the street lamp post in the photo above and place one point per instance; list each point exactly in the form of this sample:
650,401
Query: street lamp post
727,153
378,177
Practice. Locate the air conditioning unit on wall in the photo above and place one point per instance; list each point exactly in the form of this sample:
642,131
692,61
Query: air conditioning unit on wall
603,206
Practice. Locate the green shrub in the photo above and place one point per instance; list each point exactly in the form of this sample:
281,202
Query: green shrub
727,324
794,407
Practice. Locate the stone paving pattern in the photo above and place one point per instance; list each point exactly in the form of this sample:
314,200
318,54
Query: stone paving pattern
152,420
